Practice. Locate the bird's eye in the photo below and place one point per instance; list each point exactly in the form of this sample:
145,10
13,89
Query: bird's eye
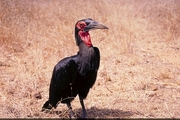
81,25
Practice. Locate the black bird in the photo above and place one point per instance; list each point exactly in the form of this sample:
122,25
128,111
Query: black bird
75,75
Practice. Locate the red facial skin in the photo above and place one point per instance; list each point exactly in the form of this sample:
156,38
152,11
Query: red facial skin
85,36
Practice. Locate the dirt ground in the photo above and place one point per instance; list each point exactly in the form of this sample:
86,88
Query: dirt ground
139,74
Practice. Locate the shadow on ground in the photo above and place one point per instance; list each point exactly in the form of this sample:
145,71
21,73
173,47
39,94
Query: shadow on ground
94,112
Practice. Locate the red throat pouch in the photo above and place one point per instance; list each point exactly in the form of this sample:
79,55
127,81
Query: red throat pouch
85,36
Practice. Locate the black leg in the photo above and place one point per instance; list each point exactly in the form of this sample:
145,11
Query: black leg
70,110
83,107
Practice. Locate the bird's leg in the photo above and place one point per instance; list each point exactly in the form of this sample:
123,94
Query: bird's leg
83,107
70,110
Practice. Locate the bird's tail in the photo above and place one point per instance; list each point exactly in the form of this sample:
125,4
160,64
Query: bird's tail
47,105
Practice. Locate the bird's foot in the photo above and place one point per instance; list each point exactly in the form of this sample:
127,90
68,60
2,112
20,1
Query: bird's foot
84,116
71,114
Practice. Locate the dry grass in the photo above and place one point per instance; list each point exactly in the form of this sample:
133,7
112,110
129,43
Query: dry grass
139,76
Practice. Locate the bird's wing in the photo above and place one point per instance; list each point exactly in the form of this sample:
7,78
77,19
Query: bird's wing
97,55
64,73
63,76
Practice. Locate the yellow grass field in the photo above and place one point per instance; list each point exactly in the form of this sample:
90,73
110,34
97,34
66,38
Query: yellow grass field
139,74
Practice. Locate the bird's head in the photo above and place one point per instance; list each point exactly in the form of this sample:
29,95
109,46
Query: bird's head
82,29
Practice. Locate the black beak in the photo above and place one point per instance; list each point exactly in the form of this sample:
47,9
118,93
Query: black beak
92,25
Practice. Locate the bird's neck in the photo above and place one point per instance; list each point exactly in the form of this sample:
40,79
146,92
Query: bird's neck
86,59
85,51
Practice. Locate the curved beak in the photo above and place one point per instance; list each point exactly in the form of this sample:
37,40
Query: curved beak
92,25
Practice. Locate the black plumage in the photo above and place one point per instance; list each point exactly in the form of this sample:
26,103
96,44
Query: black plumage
75,75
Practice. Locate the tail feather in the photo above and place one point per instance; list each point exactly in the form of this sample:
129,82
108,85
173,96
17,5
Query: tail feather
47,105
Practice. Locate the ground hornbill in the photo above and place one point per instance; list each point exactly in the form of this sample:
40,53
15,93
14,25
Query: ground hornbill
75,75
